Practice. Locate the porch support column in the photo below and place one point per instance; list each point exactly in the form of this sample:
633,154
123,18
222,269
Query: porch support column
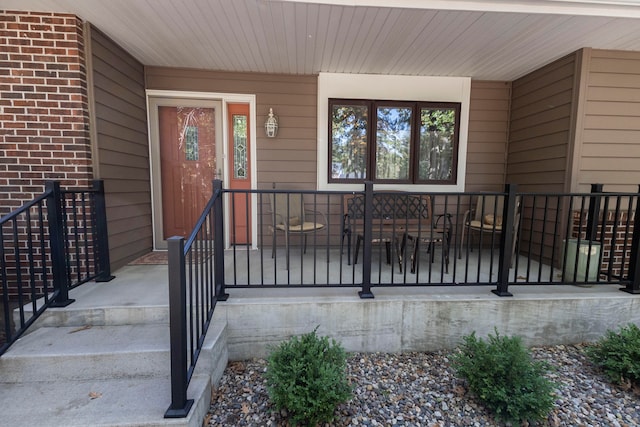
506,241
366,293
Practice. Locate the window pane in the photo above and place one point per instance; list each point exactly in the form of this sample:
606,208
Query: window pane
437,137
393,143
191,143
349,141
239,147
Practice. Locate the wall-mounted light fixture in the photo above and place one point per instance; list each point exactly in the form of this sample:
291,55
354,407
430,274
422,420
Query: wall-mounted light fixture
271,125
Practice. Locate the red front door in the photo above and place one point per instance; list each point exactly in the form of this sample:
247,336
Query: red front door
188,164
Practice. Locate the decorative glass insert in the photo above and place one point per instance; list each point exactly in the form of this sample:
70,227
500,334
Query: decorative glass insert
393,143
240,146
349,125
437,136
191,143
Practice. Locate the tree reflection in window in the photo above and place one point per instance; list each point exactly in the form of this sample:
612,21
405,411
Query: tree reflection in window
191,142
239,146
349,125
437,132
393,143
411,142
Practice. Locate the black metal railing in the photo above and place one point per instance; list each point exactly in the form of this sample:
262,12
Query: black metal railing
50,245
196,282
532,238
305,239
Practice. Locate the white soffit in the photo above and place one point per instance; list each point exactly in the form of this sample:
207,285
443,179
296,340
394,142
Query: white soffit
492,40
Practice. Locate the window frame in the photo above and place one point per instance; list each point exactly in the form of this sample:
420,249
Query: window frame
414,144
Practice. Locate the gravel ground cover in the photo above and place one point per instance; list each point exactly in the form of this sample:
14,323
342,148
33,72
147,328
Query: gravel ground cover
421,389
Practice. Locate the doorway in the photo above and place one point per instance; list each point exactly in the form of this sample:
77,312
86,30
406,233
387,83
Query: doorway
192,142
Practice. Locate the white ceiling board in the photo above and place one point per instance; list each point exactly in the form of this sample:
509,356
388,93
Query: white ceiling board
501,41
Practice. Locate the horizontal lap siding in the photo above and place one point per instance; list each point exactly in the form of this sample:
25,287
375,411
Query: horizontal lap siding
122,145
540,126
488,133
289,160
610,151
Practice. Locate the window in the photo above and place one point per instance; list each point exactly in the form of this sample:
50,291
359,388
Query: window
393,141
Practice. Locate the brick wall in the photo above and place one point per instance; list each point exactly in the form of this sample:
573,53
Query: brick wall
44,115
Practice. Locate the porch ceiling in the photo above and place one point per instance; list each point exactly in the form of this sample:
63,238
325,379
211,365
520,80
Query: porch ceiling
493,40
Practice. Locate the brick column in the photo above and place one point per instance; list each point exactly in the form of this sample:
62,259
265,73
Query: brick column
44,114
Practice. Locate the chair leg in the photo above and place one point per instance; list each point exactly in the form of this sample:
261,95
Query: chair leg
348,247
286,245
414,255
357,250
273,244
399,252
387,246
304,251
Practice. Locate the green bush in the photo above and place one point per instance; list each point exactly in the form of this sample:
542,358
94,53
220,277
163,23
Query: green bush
307,377
618,354
502,374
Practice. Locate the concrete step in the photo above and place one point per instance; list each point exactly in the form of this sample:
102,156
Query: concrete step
113,376
78,315
88,353
115,402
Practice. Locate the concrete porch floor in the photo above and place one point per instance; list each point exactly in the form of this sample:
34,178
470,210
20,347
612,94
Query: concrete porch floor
400,318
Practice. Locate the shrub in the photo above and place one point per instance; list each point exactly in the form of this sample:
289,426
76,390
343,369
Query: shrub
618,354
502,374
307,377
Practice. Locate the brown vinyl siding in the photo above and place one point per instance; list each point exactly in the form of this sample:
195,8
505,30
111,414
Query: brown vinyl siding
542,117
289,160
542,129
121,153
488,134
609,151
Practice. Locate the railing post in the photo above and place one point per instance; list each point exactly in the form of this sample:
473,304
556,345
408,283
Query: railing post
506,241
218,242
633,286
594,211
366,293
180,405
57,223
101,246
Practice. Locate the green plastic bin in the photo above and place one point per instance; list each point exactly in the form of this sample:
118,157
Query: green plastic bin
587,253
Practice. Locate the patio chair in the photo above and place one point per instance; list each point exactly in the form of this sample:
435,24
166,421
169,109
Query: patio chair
486,219
289,216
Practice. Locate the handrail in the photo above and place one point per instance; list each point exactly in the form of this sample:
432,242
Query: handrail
194,288
22,209
51,244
